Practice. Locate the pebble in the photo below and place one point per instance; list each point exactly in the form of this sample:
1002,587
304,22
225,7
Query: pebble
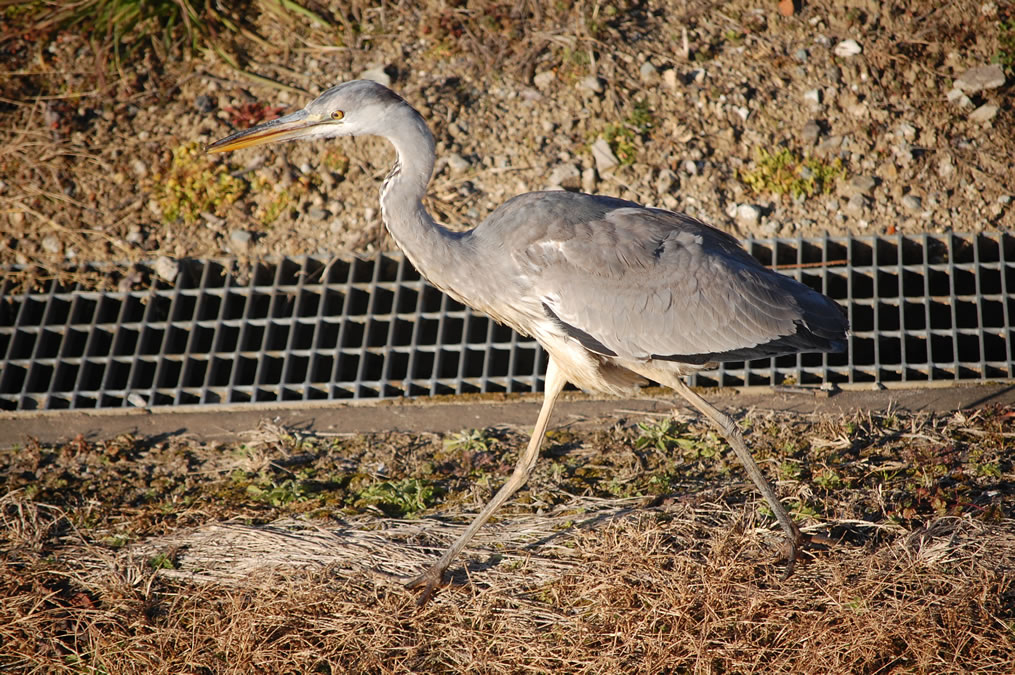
648,72
139,168
813,96
589,180
956,96
980,78
604,157
801,55
912,202
377,74
544,79
847,48
592,84
204,103
166,268
690,166
670,78
457,163
317,213
369,214
748,214
856,205
908,131
984,113
811,132
52,244
565,176
863,185
945,168
239,241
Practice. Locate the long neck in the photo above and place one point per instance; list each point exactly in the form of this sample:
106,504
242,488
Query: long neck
433,249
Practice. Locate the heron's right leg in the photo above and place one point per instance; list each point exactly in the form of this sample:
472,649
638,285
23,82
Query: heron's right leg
736,441
434,575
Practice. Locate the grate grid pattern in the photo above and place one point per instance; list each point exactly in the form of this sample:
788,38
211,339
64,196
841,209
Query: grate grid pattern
923,308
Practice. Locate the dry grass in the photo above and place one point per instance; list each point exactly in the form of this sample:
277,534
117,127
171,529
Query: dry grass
593,584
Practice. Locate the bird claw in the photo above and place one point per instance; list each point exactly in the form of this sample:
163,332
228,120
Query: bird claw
792,547
428,582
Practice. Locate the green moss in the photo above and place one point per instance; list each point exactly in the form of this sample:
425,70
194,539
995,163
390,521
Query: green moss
195,184
786,172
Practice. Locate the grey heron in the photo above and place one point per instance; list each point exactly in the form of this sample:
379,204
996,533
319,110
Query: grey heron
616,293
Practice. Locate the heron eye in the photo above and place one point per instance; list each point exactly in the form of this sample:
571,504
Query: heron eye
337,115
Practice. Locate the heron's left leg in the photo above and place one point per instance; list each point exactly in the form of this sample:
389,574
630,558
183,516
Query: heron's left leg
736,441
434,575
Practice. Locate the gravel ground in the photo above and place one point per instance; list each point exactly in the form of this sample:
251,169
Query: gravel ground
674,104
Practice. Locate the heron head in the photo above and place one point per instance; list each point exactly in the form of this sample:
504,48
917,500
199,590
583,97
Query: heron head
352,108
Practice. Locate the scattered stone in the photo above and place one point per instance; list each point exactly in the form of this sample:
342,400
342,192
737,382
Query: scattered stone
139,168
377,74
589,180
565,176
908,131
847,48
604,157
665,181
912,202
369,214
980,78
787,7
862,185
317,213
956,96
945,168
457,163
204,104
239,241
856,205
648,72
801,55
691,167
670,78
748,214
811,132
591,84
134,235
543,80
52,244
813,96
984,113
166,268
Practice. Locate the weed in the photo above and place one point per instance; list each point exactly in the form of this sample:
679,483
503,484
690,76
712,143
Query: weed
163,561
786,172
661,435
195,184
622,137
1005,55
470,440
398,499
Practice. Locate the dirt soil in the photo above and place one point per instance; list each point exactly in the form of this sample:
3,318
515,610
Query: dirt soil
639,545
105,164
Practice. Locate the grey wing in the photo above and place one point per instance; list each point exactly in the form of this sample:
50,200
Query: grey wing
650,284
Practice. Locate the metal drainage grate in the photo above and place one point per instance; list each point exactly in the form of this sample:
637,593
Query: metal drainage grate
923,308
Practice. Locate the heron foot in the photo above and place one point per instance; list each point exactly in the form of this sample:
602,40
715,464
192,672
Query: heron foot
427,581
792,547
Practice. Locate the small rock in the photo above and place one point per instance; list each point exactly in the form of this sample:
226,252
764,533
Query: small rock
377,74
748,214
811,132
369,214
956,96
52,244
670,78
317,213
239,241
862,185
665,181
912,202
945,168
787,7
457,163
589,180
847,48
134,236
604,157
166,268
591,84
543,80
813,96
648,72
980,78
139,168
565,176
801,55
984,113
691,167
856,205
908,131
204,104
